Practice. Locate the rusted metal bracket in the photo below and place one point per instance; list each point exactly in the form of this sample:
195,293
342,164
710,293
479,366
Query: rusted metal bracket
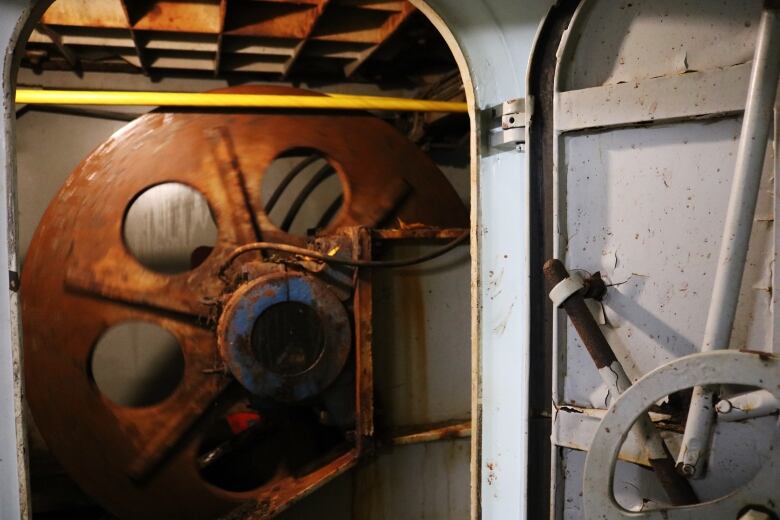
507,125
13,281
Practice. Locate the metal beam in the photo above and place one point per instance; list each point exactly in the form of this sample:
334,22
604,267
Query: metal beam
215,99
492,41
573,424
69,54
713,93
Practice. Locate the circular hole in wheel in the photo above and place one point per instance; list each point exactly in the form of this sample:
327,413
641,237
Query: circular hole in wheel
137,364
288,338
169,228
740,446
301,191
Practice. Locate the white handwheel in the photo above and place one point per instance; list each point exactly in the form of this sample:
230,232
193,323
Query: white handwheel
719,367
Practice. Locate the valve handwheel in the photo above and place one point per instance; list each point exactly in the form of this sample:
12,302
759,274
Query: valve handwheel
726,367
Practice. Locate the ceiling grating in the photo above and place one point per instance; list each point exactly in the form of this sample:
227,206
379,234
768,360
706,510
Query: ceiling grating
266,37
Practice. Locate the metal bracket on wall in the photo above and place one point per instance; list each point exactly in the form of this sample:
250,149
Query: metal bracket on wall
506,130
13,281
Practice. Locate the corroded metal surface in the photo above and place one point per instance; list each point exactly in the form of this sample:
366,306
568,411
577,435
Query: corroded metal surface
431,433
302,378
79,279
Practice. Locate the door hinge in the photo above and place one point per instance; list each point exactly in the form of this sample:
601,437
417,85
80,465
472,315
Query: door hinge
508,120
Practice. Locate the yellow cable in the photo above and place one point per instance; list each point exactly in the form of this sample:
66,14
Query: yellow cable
215,99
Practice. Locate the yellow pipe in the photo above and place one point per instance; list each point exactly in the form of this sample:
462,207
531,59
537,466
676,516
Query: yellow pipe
214,99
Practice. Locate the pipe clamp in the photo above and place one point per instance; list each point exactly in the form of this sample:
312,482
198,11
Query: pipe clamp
565,288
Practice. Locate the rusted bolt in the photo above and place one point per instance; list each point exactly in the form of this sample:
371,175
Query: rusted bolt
595,288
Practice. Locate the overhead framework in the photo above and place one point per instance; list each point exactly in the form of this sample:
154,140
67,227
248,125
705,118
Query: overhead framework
218,35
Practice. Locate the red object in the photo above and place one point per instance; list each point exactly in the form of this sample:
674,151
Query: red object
241,421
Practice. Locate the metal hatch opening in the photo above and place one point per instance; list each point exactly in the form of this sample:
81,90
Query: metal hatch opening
240,233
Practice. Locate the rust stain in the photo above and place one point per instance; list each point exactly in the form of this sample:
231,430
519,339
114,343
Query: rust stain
763,356
413,323
492,476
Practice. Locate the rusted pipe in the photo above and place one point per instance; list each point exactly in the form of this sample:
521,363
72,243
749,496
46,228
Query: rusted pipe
677,488
432,433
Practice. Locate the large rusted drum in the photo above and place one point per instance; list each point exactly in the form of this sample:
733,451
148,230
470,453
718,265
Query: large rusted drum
82,279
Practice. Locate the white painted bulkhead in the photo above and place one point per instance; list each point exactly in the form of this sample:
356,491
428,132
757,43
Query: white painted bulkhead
648,100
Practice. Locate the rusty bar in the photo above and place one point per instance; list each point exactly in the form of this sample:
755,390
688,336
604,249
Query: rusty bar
581,318
363,351
233,177
418,233
677,488
70,56
432,433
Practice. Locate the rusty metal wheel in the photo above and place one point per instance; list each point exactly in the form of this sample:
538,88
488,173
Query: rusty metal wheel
80,279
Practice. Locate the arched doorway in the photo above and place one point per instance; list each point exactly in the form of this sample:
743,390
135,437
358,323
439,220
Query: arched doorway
495,52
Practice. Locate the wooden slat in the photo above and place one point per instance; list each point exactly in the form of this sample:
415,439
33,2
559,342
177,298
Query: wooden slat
319,67
88,37
348,24
181,60
56,63
182,16
341,50
132,59
379,5
245,63
221,36
270,19
166,41
258,46
393,23
138,51
65,51
86,13
320,8
310,2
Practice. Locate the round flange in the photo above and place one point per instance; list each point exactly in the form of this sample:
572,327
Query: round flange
719,367
284,336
